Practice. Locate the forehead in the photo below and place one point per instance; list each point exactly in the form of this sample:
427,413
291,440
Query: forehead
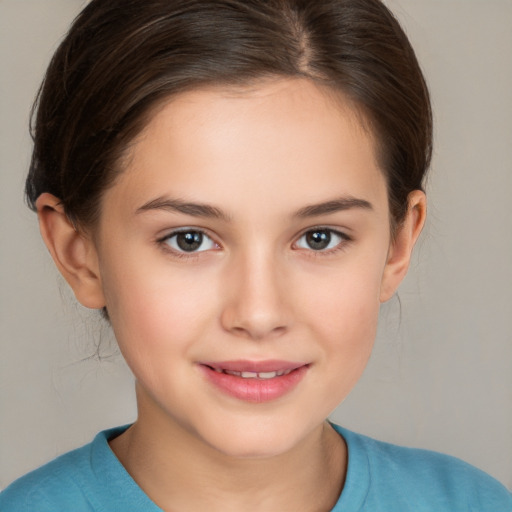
274,102
283,141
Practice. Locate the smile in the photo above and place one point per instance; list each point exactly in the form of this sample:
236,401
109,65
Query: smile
254,382
255,375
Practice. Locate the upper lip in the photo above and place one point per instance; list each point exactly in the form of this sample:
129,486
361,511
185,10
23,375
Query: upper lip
273,365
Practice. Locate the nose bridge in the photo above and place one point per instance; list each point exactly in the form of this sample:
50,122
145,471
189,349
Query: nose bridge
255,306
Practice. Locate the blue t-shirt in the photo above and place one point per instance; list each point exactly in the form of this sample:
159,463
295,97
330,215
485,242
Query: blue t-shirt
380,478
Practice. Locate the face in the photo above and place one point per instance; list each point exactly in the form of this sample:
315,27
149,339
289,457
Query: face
242,255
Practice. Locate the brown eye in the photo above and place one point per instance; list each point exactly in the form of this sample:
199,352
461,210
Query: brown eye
321,239
318,240
190,241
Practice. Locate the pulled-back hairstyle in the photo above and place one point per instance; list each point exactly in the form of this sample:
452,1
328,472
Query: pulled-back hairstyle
122,58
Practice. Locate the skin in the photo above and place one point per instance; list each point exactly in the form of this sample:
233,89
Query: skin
260,157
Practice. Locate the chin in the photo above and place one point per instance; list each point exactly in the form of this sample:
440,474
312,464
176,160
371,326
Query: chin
252,447
255,439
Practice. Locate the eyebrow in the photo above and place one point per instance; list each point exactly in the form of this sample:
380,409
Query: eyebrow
336,205
185,207
212,212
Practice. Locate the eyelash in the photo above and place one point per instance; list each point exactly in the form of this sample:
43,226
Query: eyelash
344,239
176,252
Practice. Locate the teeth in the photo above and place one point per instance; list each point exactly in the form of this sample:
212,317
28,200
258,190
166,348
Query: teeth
249,375
255,375
267,375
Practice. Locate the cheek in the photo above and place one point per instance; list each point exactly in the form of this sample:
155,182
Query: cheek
344,318
346,300
348,324
155,311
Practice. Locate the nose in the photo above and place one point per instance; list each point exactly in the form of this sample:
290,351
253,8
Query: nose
255,305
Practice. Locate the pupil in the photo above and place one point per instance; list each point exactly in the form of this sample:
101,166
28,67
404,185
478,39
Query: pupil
318,240
189,241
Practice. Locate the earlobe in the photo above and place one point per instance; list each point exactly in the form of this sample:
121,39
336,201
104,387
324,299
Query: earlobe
73,253
400,250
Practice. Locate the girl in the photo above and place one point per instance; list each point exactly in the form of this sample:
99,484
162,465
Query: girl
237,186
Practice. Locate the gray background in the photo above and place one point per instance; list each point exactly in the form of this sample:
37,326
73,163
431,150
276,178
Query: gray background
440,377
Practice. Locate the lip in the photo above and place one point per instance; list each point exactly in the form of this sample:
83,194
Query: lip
243,365
255,390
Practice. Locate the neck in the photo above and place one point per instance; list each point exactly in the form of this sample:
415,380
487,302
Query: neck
178,471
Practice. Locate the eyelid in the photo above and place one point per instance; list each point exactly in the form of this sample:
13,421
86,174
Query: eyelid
345,238
163,241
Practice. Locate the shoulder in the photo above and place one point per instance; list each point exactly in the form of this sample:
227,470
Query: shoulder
59,480
421,480
69,482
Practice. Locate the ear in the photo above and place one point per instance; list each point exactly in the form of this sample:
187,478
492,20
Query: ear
72,251
400,249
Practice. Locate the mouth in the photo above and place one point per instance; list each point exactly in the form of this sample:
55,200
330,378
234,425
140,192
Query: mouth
254,375
255,381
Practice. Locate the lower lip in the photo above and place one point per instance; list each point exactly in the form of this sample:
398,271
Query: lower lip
255,390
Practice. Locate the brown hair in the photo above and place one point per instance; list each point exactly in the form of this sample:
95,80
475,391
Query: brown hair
121,58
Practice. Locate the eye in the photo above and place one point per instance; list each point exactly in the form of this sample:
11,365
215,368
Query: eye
321,239
190,241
